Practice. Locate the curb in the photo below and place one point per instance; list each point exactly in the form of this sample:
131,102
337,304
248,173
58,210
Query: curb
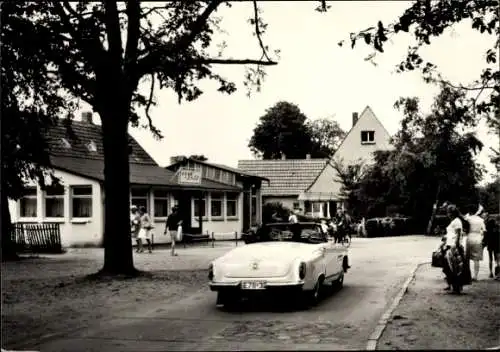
382,323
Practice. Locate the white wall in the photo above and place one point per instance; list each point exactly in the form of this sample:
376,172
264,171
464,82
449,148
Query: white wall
352,150
87,231
223,225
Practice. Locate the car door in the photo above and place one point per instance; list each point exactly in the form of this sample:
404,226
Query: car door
332,253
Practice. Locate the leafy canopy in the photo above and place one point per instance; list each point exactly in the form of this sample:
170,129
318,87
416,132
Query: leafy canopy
285,130
427,20
433,158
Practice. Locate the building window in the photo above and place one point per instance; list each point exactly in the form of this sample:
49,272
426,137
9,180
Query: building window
367,137
217,175
140,197
316,207
232,204
54,202
28,203
81,201
216,201
161,203
296,205
200,205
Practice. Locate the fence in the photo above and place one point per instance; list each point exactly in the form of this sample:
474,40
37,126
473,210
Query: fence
37,238
211,238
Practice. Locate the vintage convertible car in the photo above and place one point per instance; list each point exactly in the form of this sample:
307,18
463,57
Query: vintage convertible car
298,258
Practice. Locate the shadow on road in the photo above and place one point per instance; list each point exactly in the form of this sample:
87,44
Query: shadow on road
278,304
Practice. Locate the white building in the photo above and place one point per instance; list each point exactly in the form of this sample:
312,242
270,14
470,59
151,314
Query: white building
230,199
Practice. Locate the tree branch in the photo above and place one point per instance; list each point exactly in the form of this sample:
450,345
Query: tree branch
133,31
113,33
258,33
150,100
209,61
149,63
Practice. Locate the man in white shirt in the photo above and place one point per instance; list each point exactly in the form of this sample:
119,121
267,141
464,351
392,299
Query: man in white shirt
293,218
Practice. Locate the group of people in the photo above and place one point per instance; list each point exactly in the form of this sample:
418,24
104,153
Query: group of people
466,237
141,228
337,227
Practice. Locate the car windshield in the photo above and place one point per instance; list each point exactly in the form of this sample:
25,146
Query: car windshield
302,233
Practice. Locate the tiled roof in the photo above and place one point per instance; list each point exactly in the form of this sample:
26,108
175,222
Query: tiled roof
287,177
81,135
140,174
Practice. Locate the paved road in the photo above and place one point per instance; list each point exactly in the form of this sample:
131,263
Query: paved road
342,321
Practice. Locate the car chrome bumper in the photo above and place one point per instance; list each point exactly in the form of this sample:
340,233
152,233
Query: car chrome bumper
219,286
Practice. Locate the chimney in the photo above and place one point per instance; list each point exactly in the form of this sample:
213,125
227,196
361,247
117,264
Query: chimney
354,118
308,156
87,117
283,156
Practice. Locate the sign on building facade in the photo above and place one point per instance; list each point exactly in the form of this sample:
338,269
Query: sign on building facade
189,176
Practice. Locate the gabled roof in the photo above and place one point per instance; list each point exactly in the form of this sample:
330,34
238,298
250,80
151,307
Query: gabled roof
70,151
233,170
287,177
365,110
140,174
79,135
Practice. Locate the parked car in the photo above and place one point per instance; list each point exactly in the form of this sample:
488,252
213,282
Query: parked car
278,258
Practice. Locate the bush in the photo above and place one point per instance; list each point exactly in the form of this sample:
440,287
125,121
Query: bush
268,209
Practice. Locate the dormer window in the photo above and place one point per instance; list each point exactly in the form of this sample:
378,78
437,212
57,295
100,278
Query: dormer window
91,146
65,143
367,137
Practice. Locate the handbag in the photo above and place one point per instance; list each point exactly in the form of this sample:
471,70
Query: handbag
437,259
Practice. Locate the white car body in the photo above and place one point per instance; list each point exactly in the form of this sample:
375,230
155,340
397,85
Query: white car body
276,264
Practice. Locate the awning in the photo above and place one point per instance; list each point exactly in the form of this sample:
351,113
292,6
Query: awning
318,196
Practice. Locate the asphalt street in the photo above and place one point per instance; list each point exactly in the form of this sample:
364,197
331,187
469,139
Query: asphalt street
343,320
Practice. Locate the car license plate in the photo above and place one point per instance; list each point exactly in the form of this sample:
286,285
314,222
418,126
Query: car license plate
253,285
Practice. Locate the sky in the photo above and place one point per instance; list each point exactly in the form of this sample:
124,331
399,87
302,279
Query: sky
323,79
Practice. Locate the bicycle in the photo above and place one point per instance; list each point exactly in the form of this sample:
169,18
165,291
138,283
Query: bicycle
345,241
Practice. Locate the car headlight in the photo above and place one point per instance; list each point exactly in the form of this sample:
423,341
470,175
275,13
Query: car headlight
302,271
211,272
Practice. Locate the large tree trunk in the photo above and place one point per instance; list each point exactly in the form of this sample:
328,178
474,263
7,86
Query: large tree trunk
118,257
8,246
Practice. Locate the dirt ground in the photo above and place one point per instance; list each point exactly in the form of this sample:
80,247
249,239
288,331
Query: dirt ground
47,295
430,318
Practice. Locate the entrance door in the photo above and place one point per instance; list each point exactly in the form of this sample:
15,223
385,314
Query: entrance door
184,203
333,208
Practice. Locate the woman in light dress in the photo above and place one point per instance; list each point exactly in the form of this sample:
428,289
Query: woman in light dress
145,231
454,249
474,239
135,224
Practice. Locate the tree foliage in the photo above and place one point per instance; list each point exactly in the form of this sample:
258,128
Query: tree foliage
99,53
285,130
427,20
326,135
432,160
177,158
31,103
489,196
350,177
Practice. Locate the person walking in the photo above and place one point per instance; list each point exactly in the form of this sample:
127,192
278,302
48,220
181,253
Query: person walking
492,244
173,225
135,225
474,240
145,231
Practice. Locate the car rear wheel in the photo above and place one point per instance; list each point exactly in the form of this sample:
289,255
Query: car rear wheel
316,294
339,283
